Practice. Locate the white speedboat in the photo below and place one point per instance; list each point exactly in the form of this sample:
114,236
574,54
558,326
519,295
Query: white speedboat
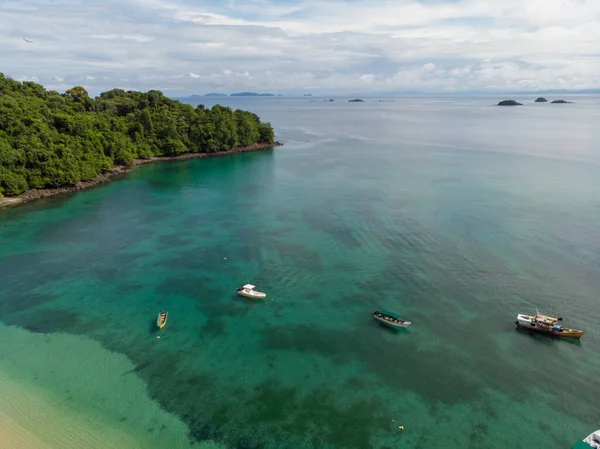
592,440
249,292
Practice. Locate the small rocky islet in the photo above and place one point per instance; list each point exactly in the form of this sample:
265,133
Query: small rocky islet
510,103
537,100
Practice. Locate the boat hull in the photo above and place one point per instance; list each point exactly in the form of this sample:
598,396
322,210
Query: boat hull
593,439
255,295
393,325
161,321
525,322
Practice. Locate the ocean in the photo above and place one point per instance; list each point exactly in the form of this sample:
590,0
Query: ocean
452,212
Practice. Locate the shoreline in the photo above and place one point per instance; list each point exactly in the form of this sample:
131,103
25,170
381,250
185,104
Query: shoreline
48,400
36,194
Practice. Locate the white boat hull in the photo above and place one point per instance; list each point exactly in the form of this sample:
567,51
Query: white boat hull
252,294
524,321
389,323
593,439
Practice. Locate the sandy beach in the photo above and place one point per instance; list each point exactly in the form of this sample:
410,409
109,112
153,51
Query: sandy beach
30,418
62,391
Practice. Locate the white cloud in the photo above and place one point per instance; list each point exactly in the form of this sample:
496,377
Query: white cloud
28,78
127,37
368,78
326,45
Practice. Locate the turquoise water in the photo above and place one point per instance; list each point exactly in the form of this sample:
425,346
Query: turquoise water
74,394
451,212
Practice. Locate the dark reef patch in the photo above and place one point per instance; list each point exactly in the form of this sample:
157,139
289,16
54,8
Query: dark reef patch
299,255
24,301
214,327
171,240
49,320
321,221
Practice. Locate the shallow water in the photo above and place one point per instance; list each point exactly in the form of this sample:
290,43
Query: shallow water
456,214
66,391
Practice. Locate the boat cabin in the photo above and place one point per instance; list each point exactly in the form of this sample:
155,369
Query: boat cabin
543,321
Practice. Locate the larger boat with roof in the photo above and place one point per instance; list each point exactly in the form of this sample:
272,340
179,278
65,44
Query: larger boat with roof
547,325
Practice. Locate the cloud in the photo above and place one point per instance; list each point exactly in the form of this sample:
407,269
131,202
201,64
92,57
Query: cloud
180,46
126,37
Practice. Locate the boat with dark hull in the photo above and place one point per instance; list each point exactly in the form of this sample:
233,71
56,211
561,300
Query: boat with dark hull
548,325
390,319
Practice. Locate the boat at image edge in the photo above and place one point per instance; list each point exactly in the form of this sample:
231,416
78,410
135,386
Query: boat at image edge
592,440
249,292
162,319
546,325
390,319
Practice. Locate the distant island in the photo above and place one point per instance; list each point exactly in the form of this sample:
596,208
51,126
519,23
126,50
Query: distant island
509,103
543,100
239,94
62,142
356,100
251,94
307,95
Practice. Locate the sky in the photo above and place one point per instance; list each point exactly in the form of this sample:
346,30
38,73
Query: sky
302,46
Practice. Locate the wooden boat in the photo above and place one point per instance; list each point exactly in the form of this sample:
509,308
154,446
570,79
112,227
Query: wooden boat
592,440
162,319
249,292
547,325
390,319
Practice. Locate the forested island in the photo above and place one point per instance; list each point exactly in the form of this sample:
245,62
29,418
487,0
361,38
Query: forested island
50,140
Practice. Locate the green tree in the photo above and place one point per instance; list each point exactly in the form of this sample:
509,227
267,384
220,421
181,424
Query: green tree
78,92
266,133
11,183
50,139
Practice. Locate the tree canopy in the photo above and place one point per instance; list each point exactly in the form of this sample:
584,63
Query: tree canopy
48,139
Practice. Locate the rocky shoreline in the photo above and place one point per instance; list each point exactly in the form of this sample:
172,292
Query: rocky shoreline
36,194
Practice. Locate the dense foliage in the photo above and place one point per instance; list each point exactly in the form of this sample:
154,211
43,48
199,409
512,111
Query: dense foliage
48,139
